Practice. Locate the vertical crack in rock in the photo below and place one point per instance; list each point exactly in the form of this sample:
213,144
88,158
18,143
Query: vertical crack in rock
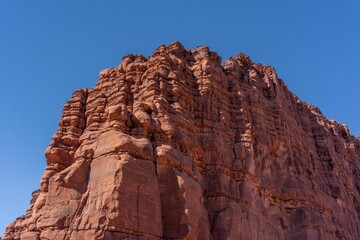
178,146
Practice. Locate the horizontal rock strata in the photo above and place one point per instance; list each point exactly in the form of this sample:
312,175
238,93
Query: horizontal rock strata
179,146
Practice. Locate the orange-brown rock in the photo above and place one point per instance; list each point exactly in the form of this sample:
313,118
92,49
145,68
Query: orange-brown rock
179,146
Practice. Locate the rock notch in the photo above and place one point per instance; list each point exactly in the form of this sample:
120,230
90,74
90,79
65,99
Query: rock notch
179,146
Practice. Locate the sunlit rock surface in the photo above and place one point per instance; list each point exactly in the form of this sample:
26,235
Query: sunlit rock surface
179,146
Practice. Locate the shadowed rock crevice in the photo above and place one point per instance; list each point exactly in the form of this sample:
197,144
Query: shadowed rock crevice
178,146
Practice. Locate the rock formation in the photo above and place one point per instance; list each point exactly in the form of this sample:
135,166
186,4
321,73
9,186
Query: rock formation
179,146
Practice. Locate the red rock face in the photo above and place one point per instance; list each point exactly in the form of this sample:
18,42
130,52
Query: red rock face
178,146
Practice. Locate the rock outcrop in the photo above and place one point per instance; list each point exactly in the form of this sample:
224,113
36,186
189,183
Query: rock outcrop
179,146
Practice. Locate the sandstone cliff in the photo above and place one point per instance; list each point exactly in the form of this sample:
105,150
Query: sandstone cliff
179,146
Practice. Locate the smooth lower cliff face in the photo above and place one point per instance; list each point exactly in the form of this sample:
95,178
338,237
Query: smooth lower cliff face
179,146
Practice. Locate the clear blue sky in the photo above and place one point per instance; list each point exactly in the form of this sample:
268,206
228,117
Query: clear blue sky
48,49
